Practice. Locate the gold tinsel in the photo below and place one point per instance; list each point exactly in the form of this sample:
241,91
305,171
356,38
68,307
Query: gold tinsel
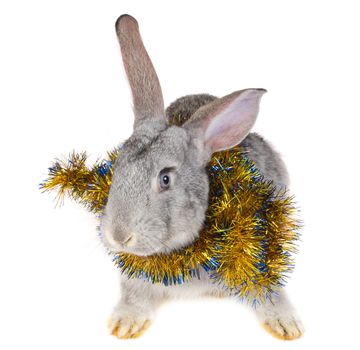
248,237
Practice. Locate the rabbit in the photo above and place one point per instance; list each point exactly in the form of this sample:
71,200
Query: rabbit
159,191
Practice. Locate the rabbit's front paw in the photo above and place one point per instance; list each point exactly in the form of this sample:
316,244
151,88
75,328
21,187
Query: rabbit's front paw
284,327
128,326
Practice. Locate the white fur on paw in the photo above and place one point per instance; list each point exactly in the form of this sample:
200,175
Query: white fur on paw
284,327
128,327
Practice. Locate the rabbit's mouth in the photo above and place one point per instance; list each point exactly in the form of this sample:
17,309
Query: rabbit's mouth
116,245
143,244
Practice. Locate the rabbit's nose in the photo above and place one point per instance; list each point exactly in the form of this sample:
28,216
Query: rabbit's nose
129,240
119,239
124,239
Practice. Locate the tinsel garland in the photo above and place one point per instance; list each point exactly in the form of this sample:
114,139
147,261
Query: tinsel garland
248,238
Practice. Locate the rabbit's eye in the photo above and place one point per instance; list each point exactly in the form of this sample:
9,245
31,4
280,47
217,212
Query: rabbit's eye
166,178
164,181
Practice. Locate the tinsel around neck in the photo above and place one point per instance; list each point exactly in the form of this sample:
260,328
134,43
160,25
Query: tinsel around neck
247,240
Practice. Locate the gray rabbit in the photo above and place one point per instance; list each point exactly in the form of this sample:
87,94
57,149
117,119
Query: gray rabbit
159,191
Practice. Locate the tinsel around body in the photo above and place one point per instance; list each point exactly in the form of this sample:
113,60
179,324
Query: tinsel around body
248,238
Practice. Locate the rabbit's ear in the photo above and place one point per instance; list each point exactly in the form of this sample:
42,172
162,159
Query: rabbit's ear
226,121
144,83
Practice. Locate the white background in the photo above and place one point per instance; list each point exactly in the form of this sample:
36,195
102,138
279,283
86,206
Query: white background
62,87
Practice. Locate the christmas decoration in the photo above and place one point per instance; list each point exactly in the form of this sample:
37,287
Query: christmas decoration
248,238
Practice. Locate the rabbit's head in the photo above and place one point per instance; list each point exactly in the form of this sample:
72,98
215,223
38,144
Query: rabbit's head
159,191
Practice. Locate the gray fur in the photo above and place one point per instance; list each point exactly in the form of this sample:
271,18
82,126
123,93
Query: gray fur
141,218
184,107
258,149
162,221
266,159
144,83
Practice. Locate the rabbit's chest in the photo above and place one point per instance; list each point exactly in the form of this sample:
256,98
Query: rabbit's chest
195,287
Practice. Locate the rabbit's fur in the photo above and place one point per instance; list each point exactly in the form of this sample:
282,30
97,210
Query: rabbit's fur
266,159
143,217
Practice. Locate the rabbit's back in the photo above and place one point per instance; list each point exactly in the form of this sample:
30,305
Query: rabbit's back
266,159
259,150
